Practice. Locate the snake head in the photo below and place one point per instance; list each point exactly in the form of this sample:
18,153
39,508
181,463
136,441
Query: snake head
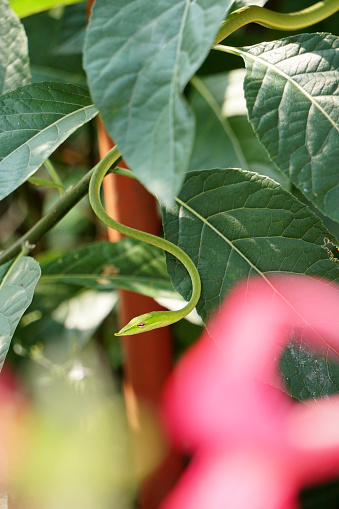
145,322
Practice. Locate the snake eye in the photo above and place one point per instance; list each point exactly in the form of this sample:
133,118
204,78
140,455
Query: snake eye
141,325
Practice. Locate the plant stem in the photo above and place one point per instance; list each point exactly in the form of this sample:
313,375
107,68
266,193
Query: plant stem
71,197
124,172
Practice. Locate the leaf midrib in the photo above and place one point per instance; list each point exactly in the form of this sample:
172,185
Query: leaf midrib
229,242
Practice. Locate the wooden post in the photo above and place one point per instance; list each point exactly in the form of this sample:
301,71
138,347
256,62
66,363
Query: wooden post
148,356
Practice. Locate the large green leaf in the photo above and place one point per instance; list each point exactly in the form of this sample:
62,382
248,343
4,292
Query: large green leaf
17,283
127,264
224,137
138,58
291,89
27,7
234,224
34,121
14,61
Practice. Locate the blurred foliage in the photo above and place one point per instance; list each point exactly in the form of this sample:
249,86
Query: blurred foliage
68,441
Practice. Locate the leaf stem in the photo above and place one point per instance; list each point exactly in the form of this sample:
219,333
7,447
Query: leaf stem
215,107
55,176
71,197
229,49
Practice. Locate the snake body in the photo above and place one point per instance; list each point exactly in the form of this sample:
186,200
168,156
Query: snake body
154,319
270,19
237,19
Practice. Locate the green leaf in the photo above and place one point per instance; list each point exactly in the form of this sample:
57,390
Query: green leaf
234,224
17,283
291,89
34,121
308,375
138,57
27,7
47,64
224,137
127,264
73,29
14,60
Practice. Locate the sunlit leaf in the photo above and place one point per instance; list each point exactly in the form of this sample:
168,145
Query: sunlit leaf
34,121
291,89
27,7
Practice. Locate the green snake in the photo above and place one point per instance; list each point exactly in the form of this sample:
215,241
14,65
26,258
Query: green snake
237,19
154,319
291,21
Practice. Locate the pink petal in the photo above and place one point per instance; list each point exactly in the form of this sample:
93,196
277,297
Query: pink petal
313,430
233,479
203,404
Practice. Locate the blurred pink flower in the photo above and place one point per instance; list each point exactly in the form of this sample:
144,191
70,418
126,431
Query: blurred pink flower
253,446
